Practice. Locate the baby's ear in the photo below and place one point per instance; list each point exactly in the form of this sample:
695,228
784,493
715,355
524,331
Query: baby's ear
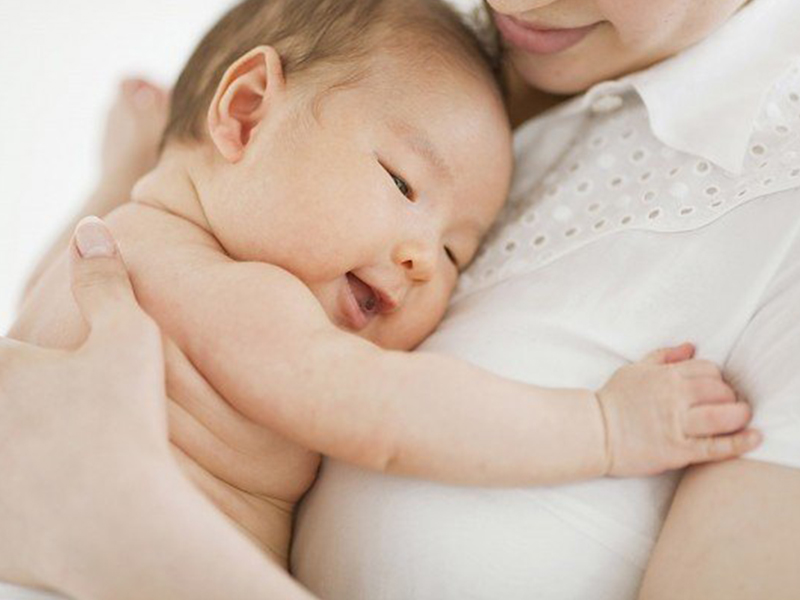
248,88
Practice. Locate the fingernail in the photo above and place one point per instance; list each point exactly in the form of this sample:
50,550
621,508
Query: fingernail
93,239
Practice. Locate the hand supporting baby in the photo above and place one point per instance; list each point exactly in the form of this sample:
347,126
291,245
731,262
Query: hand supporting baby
92,504
66,448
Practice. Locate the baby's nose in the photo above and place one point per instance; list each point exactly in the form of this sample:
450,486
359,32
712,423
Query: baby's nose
418,261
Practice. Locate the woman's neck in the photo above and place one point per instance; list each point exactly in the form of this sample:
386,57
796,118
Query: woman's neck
525,102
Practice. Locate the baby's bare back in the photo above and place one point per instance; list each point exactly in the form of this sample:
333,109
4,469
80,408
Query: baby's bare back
252,474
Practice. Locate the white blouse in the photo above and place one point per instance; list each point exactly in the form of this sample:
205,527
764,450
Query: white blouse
661,208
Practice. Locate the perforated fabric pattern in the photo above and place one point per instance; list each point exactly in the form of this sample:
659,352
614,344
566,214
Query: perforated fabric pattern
618,176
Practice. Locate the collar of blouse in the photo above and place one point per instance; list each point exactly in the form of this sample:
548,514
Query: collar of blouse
705,101
724,114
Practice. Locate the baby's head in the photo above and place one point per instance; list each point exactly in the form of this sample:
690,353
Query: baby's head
361,145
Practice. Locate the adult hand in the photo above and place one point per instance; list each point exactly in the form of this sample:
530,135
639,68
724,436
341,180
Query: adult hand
76,424
91,503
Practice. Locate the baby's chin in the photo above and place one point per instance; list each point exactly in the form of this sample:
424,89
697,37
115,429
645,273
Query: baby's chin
401,338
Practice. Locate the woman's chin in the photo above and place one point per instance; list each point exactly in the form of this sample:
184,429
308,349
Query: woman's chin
565,79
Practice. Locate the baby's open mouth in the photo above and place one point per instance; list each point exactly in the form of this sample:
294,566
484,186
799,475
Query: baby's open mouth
365,296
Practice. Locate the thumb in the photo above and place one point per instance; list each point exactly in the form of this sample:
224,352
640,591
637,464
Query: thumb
100,282
674,354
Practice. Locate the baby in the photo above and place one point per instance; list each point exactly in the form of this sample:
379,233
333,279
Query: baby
328,169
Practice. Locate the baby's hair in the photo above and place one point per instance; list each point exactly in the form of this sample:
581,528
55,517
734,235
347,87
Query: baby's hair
333,39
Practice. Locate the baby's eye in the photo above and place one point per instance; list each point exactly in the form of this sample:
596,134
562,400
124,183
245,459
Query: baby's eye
452,257
402,185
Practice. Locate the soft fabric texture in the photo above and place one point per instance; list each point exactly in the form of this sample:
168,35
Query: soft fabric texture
658,209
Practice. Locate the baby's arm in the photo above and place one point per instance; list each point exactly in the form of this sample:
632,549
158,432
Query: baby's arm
264,342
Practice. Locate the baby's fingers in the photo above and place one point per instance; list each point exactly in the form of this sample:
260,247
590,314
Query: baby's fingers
724,447
698,368
711,391
717,419
675,354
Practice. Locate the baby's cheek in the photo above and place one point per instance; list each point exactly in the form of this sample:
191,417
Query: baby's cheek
415,321
427,323
401,332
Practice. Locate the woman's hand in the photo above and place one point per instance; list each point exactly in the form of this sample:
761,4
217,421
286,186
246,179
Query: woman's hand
91,503
75,424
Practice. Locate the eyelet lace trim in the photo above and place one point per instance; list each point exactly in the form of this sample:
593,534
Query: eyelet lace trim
620,178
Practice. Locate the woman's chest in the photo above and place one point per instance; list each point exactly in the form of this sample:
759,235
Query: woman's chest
574,320
589,175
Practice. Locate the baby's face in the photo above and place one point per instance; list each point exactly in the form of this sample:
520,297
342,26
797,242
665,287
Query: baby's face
600,39
378,198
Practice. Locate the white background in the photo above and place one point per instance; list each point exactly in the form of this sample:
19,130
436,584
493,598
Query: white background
60,62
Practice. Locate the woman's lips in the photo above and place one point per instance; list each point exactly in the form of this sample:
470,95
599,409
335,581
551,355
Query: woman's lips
535,40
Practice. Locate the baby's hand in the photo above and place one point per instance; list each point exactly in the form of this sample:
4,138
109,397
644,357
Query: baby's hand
669,411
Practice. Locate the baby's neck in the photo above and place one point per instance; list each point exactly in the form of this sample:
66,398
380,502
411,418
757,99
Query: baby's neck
174,186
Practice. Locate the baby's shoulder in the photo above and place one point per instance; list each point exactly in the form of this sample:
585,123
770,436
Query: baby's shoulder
148,239
184,278
145,231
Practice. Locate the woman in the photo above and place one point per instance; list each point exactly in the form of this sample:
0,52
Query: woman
651,208
662,202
